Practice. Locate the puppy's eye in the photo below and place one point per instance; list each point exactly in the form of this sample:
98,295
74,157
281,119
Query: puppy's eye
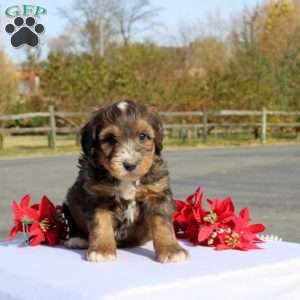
143,137
110,139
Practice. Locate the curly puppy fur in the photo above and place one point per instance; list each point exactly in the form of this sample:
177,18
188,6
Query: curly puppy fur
122,196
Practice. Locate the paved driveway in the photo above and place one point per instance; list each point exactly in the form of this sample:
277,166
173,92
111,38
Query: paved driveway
266,179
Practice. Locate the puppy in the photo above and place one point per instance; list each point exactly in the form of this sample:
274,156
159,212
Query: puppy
122,195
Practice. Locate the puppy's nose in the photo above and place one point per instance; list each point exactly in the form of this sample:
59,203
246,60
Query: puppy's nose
129,166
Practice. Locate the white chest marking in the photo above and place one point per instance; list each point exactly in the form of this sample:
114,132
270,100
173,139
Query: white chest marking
130,211
122,106
127,190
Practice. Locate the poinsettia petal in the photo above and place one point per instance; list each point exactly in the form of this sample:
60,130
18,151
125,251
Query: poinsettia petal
226,216
179,204
205,232
219,247
52,237
247,246
198,214
198,197
213,204
227,204
36,235
35,207
247,236
256,228
24,203
191,232
187,213
32,214
17,211
245,215
179,218
47,209
190,199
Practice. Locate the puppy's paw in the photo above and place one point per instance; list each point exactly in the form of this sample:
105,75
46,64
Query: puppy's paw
76,243
98,256
171,254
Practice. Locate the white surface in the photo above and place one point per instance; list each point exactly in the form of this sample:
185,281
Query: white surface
43,273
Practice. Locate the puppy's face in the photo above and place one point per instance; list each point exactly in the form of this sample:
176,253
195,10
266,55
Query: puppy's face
127,150
126,136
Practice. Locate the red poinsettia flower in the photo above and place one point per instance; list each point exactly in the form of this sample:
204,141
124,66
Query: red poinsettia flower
243,236
219,227
220,213
50,228
39,221
24,216
188,215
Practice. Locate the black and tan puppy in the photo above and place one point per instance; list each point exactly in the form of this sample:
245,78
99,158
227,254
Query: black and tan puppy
122,196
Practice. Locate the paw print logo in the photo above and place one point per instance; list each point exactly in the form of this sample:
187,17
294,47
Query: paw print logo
24,32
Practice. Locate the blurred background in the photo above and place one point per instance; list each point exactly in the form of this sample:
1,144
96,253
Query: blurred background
219,72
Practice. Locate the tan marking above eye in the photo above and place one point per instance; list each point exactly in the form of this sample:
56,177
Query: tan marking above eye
143,127
111,130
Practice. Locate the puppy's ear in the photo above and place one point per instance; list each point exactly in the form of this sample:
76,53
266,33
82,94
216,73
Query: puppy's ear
88,139
156,123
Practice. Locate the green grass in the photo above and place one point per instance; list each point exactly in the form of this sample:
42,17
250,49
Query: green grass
21,146
31,146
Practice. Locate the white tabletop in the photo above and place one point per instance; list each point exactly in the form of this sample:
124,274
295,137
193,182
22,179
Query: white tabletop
30,273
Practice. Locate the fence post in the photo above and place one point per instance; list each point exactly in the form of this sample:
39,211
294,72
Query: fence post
183,132
264,126
52,132
77,138
204,120
1,141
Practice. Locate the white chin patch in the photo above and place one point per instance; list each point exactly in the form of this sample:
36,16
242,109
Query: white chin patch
122,106
127,190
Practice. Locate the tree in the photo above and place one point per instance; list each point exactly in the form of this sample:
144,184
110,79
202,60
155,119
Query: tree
79,81
61,43
8,83
103,22
280,22
91,24
132,17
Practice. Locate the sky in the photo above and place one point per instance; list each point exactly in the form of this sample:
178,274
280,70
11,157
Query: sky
172,14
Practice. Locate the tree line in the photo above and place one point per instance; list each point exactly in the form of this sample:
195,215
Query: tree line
255,62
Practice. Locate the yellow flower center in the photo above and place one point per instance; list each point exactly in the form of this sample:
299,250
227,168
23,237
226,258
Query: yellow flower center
45,225
211,218
232,240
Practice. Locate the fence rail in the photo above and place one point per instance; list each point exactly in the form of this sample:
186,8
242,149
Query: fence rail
204,125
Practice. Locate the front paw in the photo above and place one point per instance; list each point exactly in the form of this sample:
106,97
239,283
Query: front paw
173,253
100,256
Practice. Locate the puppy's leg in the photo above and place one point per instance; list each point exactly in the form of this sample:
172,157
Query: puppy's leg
102,244
165,244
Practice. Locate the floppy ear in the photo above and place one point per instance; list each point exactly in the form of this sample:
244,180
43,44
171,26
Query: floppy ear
88,139
156,124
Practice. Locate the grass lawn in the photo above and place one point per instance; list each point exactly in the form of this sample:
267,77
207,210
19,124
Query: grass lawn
37,145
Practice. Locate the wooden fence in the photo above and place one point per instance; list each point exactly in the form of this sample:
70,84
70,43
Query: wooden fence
204,124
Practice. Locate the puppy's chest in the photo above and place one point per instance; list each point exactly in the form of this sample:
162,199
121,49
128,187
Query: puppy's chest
127,210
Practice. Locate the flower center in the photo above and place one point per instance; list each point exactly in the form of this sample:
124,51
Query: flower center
232,240
45,225
211,218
